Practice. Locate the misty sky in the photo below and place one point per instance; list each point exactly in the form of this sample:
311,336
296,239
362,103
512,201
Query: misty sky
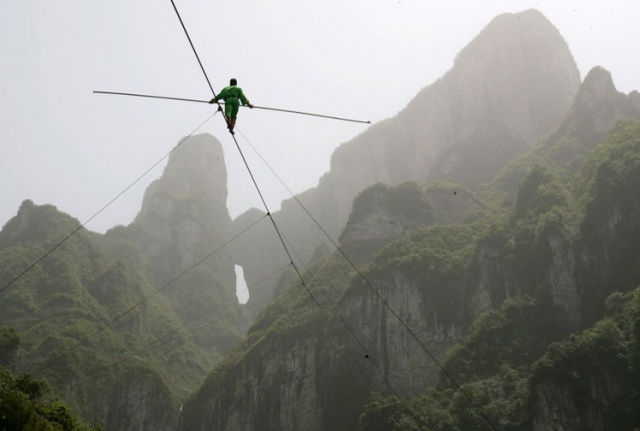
365,59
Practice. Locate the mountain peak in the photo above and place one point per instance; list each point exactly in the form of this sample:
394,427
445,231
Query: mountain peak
597,85
195,166
196,170
35,223
507,89
184,211
523,36
600,105
599,74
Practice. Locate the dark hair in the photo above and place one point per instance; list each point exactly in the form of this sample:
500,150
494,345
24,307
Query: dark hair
233,81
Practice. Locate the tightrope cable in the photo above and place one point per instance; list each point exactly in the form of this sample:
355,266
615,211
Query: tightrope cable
193,48
255,183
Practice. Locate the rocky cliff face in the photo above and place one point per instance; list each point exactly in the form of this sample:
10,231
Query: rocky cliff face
185,211
381,215
183,226
431,260
125,324
588,382
506,91
313,365
568,238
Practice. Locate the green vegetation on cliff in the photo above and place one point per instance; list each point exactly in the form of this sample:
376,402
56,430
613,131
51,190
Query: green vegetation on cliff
24,406
24,401
96,324
542,266
518,364
509,361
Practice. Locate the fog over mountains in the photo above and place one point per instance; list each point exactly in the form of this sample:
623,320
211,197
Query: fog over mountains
496,102
487,275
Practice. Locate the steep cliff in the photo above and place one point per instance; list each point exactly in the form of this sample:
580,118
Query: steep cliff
184,212
507,89
124,325
315,354
575,251
183,226
382,214
581,398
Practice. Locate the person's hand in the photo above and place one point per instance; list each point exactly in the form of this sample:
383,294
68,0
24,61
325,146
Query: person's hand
250,105
212,101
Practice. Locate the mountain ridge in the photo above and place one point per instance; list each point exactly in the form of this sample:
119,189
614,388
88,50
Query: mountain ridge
441,278
549,242
122,322
461,129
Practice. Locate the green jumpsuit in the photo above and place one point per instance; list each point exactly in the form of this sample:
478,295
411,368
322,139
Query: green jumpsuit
232,96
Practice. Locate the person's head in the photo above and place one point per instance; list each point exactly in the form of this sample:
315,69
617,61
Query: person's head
233,81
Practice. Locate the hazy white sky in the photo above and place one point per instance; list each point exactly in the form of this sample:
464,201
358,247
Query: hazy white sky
365,59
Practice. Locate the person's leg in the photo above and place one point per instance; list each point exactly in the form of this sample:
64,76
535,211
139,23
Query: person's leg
234,114
228,111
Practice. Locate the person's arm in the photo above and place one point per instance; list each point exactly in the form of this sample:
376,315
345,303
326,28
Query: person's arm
218,97
243,98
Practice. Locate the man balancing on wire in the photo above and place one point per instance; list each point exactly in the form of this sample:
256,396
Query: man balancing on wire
232,96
